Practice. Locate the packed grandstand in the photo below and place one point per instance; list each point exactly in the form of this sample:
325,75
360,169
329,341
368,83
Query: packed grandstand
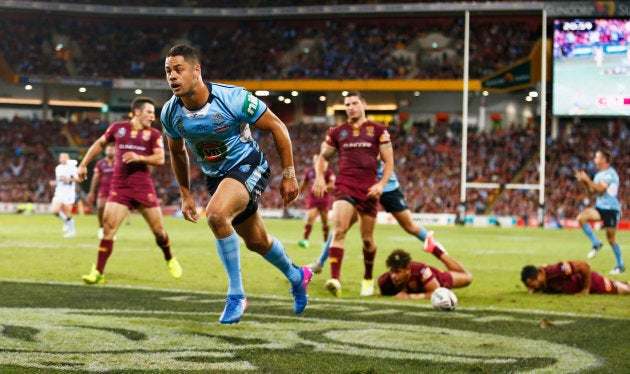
427,156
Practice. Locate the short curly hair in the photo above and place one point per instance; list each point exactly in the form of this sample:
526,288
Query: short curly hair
399,259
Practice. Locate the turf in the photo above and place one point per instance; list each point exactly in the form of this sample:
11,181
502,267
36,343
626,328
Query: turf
144,321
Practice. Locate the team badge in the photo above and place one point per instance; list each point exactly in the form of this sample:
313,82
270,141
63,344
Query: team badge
179,124
384,137
217,118
146,135
370,131
211,151
244,168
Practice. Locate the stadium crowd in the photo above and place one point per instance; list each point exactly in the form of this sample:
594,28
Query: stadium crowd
427,162
353,48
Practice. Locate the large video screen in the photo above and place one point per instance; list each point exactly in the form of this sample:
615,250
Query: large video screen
591,67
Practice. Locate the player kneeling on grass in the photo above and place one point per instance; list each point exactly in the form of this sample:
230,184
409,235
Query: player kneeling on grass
570,277
408,279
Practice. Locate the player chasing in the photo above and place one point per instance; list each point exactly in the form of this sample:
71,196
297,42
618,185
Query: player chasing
572,278
407,279
66,176
137,145
359,143
214,121
607,209
316,207
100,185
393,200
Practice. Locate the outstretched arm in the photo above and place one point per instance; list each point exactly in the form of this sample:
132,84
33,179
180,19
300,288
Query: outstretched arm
181,168
289,188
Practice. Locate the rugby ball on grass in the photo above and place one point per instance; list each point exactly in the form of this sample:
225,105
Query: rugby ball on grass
443,299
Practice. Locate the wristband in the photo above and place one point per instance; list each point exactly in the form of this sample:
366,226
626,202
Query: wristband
288,172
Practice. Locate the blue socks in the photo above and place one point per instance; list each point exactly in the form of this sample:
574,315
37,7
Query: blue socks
278,258
323,257
588,230
422,235
229,253
617,250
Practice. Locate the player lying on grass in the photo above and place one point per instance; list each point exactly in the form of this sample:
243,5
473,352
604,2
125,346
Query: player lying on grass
570,277
408,279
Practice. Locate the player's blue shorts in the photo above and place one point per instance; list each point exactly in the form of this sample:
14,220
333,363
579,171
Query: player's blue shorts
609,217
393,201
254,173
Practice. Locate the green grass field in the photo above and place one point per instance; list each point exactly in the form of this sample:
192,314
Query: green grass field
143,321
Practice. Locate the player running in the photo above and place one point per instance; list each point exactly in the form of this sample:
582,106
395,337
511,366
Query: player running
65,185
214,121
316,206
607,209
359,143
138,145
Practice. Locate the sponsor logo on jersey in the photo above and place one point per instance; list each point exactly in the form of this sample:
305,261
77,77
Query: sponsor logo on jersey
134,133
356,132
244,168
160,142
221,129
121,132
200,128
357,145
212,151
344,134
250,106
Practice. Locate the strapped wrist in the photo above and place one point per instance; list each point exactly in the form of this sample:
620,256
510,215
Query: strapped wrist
288,172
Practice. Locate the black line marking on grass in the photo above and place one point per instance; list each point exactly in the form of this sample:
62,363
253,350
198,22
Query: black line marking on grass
238,341
24,333
129,334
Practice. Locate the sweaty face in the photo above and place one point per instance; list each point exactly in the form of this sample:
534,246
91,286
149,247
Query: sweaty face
181,75
400,276
354,107
146,115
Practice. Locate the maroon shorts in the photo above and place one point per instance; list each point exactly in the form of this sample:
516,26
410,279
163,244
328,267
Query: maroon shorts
103,193
134,197
369,207
444,278
323,203
602,285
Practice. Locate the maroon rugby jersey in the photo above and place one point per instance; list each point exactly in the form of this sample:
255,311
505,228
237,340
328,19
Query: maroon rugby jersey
358,151
562,278
106,171
142,142
421,273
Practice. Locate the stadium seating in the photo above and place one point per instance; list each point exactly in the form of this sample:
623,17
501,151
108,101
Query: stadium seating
353,48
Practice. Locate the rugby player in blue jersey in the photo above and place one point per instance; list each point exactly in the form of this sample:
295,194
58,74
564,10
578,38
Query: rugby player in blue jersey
605,184
214,121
